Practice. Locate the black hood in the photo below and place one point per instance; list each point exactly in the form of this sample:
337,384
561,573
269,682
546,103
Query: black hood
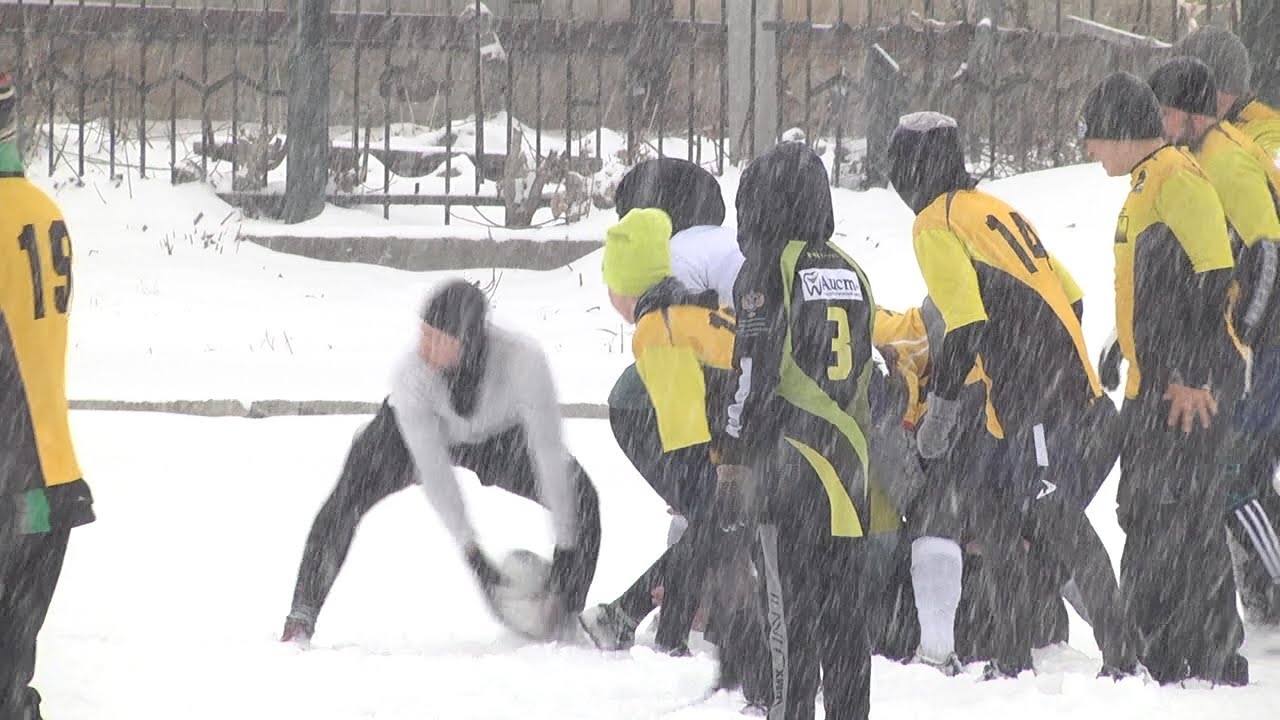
671,292
685,191
460,309
926,160
784,196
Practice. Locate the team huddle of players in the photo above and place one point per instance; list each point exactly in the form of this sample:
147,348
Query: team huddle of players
928,505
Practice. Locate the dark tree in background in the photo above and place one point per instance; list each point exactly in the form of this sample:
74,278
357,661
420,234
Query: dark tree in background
1260,31
308,120
649,58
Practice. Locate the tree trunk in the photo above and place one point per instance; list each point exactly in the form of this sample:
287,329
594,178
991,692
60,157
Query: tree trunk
1259,28
308,119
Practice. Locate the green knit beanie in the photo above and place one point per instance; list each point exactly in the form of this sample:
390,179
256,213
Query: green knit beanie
637,252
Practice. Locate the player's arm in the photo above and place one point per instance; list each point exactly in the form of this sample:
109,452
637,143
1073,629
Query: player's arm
14,404
673,377
1265,131
1191,210
749,428
1245,191
425,439
1075,295
539,409
953,286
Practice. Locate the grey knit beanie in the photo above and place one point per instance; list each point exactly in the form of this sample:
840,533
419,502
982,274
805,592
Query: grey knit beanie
8,108
1225,55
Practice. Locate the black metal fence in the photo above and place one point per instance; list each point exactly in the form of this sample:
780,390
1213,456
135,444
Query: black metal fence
126,69
139,75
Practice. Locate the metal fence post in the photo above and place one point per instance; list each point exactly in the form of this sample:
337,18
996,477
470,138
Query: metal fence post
884,107
308,119
753,78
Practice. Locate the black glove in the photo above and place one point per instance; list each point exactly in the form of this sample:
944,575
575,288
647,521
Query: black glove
936,432
488,575
733,497
564,562
1109,365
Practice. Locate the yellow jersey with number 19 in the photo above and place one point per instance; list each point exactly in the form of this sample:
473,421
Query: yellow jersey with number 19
35,298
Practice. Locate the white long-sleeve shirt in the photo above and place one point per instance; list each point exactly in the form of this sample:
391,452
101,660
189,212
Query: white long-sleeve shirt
707,257
516,391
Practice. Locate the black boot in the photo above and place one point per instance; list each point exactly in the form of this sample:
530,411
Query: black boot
299,626
33,704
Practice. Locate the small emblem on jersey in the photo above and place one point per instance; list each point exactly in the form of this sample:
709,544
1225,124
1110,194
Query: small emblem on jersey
1141,185
1122,230
1047,489
830,284
752,302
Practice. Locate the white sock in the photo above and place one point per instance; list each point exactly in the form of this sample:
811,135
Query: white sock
935,575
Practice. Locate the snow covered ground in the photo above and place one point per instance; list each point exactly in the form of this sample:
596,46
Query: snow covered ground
171,603
171,306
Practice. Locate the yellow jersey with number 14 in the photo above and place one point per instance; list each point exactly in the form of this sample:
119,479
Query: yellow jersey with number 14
983,262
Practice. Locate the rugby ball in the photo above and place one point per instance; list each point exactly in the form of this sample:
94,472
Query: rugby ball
522,602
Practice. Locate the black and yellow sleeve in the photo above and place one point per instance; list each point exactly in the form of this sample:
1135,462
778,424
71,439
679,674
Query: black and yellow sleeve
1189,207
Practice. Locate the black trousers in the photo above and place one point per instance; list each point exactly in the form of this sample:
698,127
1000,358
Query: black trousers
1025,504
813,585
685,479
815,623
378,465
29,573
1258,592
1176,569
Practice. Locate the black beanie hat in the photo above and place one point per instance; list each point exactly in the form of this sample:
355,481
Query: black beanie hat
1121,107
459,308
1186,84
926,159
1225,55
687,192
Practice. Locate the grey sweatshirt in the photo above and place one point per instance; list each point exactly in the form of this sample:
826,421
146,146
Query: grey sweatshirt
517,390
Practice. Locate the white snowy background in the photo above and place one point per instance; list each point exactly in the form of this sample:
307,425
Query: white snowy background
171,604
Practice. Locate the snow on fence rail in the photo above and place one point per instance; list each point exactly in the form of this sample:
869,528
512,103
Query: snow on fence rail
280,408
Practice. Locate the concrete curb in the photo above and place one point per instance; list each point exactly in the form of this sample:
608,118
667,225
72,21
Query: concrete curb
424,254
281,408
